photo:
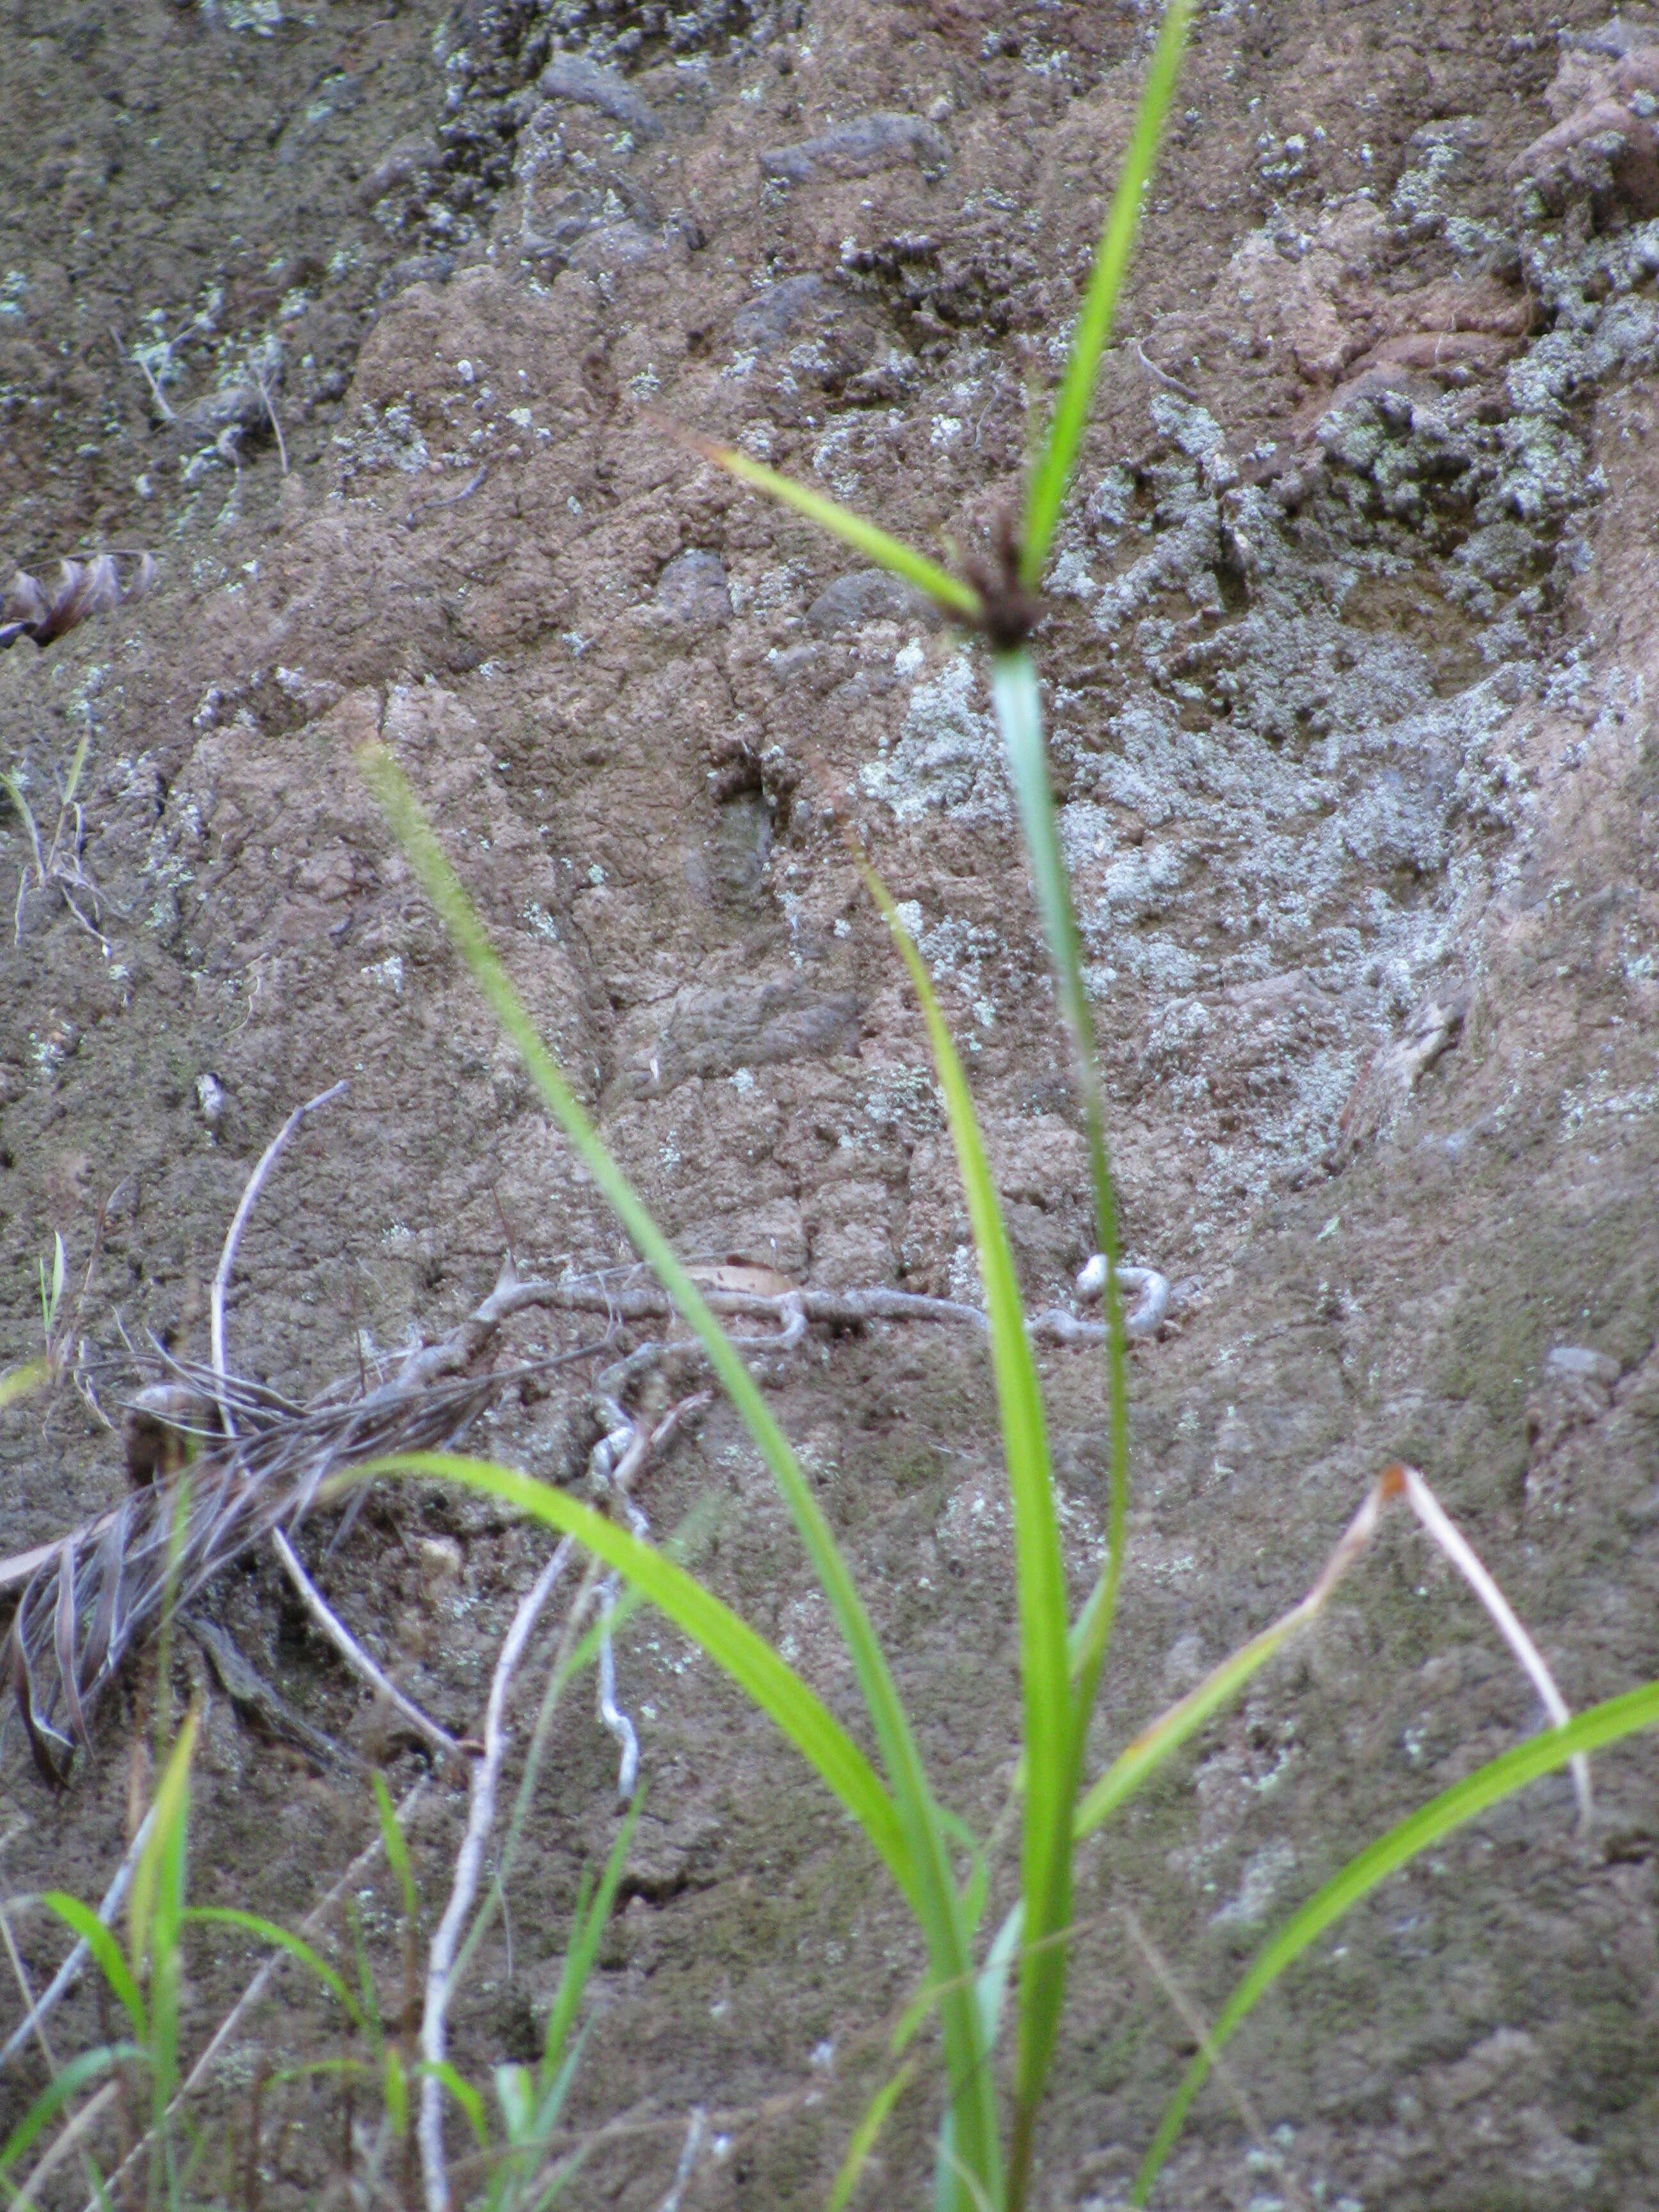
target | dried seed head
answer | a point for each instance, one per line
(83, 588)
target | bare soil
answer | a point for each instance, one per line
(1349, 639)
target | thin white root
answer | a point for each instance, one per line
(64, 1978)
(19, 1974)
(793, 1309)
(1150, 1290)
(613, 1476)
(611, 1715)
(354, 1654)
(480, 1820)
(268, 1160)
(694, 2135)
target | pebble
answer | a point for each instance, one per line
(855, 150)
(570, 76)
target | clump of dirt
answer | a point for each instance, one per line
(1349, 646)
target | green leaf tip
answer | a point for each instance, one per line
(946, 591)
(1117, 237)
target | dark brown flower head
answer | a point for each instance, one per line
(1011, 611)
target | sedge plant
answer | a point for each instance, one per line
(986, 2152)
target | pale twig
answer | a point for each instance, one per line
(26, 1990)
(354, 1654)
(1193, 2022)
(65, 2141)
(281, 447)
(480, 1820)
(64, 1978)
(137, 360)
(1163, 376)
(694, 2135)
(268, 1159)
(557, 1675)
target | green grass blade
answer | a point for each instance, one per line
(63, 2086)
(465, 2095)
(172, 1812)
(279, 1939)
(565, 2171)
(312, 2069)
(993, 1975)
(727, 1639)
(977, 1888)
(931, 1884)
(686, 1540)
(107, 1951)
(1077, 391)
(169, 1843)
(376, 2028)
(72, 780)
(395, 1844)
(864, 2137)
(1466, 1800)
(12, 784)
(586, 1933)
(394, 2089)
(1050, 1735)
(946, 591)
(1153, 1746)
(1020, 716)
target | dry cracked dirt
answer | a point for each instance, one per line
(1346, 646)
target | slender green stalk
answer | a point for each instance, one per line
(1020, 716)
(932, 1886)
(1051, 1740)
(1077, 392)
